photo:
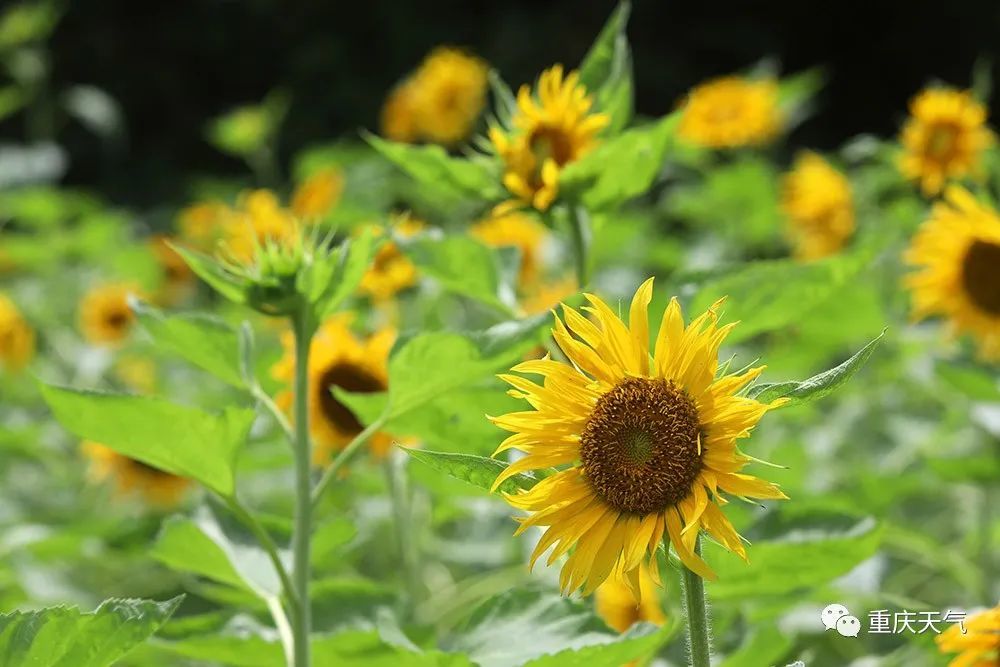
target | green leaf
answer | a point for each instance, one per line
(976, 383)
(621, 167)
(175, 438)
(248, 129)
(212, 273)
(817, 386)
(764, 647)
(476, 470)
(985, 469)
(356, 256)
(597, 64)
(805, 559)
(203, 340)
(464, 266)
(606, 71)
(67, 637)
(561, 632)
(769, 295)
(432, 167)
(216, 547)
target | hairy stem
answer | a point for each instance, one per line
(699, 628)
(302, 533)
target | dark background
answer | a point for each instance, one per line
(173, 65)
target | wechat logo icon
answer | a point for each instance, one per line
(838, 617)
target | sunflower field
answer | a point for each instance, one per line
(513, 375)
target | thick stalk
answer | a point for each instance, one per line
(696, 611)
(302, 532)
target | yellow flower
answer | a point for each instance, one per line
(391, 271)
(257, 218)
(399, 114)
(818, 202)
(979, 646)
(450, 89)
(160, 489)
(137, 373)
(645, 441)
(944, 137)
(17, 339)
(105, 318)
(548, 295)
(620, 608)
(317, 195)
(519, 231)
(202, 224)
(178, 278)
(338, 359)
(731, 111)
(957, 254)
(552, 129)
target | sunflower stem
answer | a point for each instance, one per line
(699, 628)
(402, 518)
(302, 533)
(580, 232)
(345, 456)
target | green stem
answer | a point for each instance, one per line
(302, 533)
(579, 224)
(402, 518)
(269, 545)
(986, 542)
(696, 611)
(344, 456)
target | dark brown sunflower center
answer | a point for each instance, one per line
(117, 319)
(640, 446)
(351, 378)
(981, 275)
(551, 142)
(941, 141)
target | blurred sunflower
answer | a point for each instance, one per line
(258, 217)
(731, 111)
(957, 254)
(137, 373)
(979, 645)
(943, 138)
(160, 489)
(399, 113)
(620, 608)
(338, 359)
(17, 339)
(178, 278)
(450, 95)
(391, 271)
(820, 207)
(104, 317)
(202, 224)
(515, 230)
(649, 442)
(547, 295)
(551, 129)
(316, 196)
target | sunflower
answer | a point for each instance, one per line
(316, 196)
(731, 111)
(391, 271)
(550, 130)
(17, 339)
(178, 278)
(450, 89)
(338, 359)
(943, 138)
(203, 223)
(957, 254)
(818, 202)
(979, 645)
(137, 373)
(105, 318)
(258, 217)
(399, 114)
(131, 477)
(620, 608)
(646, 445)
(515, 230)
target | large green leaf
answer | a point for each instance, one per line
(464, 266)
(819, 385)
(178, 439)
(476, 470)
(976, 383)
(215, 547)
(432, 167)
(768, 295)
(606, 70)
(561, 632)
(353, 259)
(802, 560)
(205, 341)
(764, 647)
(67, 637)
(621, 167)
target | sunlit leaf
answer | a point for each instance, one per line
(476, 470)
